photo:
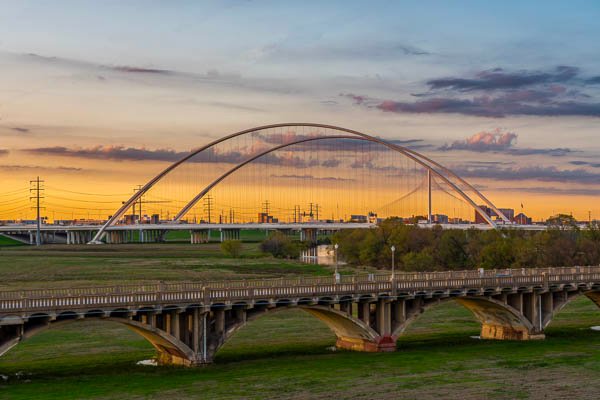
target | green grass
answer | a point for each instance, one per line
(6, 241)
(285, 355)
(86, 265)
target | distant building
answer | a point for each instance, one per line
(508, 213)
(155, 219)
(522, 219)
(264, 218)
(479, 219)
(358, 218)
(439, 219)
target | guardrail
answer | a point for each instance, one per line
(238, 290)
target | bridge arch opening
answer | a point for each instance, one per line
(168, 349)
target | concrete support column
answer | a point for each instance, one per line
(364, 312)
(196, 330)
(175, 324)
(219, 322)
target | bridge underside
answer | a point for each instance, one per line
(193, 334)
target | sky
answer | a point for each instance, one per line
(98, 97)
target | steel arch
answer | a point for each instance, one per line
(415, 156)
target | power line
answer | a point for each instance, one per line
(37, 189)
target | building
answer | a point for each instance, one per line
(508, 213)
(522, 219)
(479, 219)
(440, 219)
(264, 218)
(358, 218)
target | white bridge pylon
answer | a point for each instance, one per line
(433, 169)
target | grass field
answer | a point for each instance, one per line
(61, 265)
(6, 241)
(285, 355)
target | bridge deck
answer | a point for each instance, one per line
(454, 283)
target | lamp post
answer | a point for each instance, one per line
(393, 248)
(335, 254)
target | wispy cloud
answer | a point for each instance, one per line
(38, 167)
(554, 190)
(586, 163)
(311, 177)
(4, 152)
(544, 174)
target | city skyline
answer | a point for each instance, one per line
(511, 104)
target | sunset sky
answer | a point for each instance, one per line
(98, 97)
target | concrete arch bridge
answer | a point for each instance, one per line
(188, 322)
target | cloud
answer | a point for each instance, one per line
(544, 174)
(496, 94)
(4, 152)
(593, 80)
(20, 130)
(38, 167)
(140, 70)
(330, 163)
(495, 107)
(499, 79)
(311, 177)
(587, 163)
(553, 190)
(499, 140)
(484, 141)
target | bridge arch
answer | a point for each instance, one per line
(170, 350)
(433, 167)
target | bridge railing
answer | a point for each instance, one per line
(200, 292)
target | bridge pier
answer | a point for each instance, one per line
(229, 234)
(199, 236)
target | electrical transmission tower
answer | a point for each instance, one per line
(266, 207)
(37, 189)
(208, 204)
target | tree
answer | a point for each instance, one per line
(231, 248)
(280, 246)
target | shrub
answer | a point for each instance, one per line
(231, 248)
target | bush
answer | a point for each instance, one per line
(280, 245)
(231, 248)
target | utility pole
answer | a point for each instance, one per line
(208, 203)
(266, 207)
(37, 189)
(429, 196)
(317, 211)
(231, 215)
(311, 212)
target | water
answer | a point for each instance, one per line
(322, 254)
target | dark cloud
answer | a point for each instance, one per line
(497, 93)
(586, 163)
(4, 152)
(122, 153)
(311, 177)
(330, 163)
(140, 70)
(499, 140)
(554, 190)
(495, 107)
(38, 167)
(545, 174)
(499, 79)
(594, 80)
(20, 130)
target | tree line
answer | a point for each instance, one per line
(435, 249)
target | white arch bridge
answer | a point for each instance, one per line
(370, 174)
(188, 322)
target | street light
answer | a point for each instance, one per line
(335, 254)
(393, 248)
